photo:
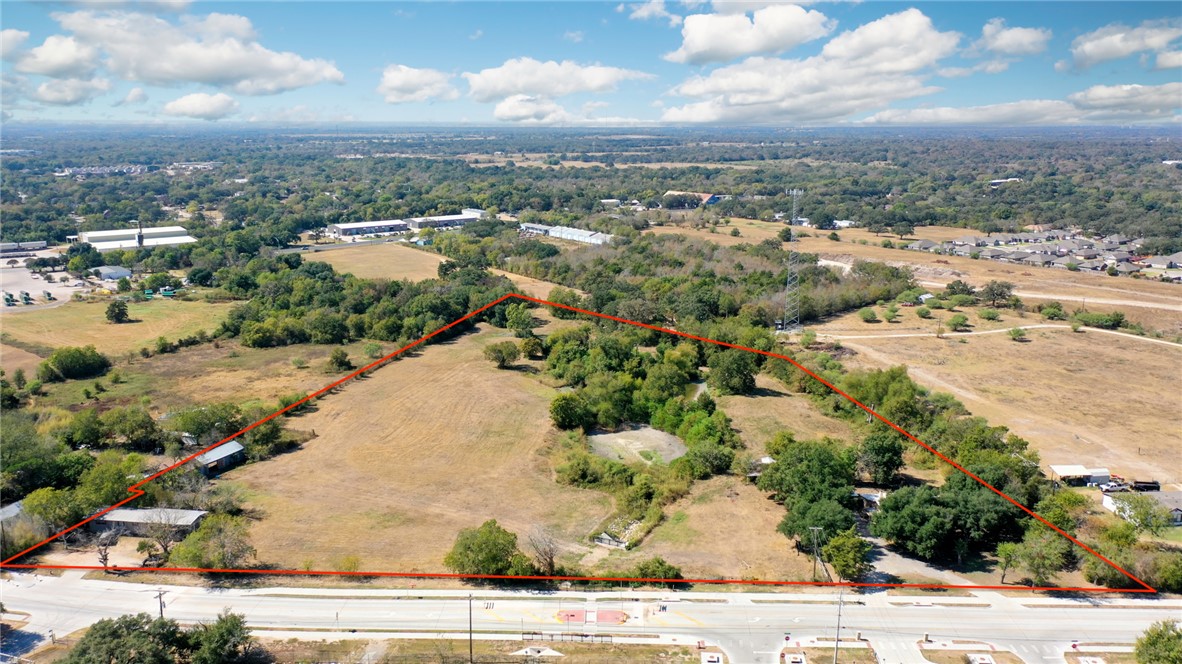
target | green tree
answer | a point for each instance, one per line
(339, 360)
(891, 314)
(488, 549)
(18, 379)
(1160, 644)
(657, 568)
(1143, 512)
(915, 520)
(881, 457)
(867, 315)
(117, 312)
(923, 312)
(1007, 554)
(532, 348)
(958, 287)
(138, 639)
(221, 541)
(732, 371)
(902, 229)
(995, 292)
(520, 319)
(69, 363)
(1042, 555)
(848, 553)
(958, 323)
(569, 412)
(829, 515)
(57, 507)
(372, 350)
(133, 427)
(123, 285)
(225, 641)
(502, 353)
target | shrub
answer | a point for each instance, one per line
(834, 236)
(891, 314)
(867, 315)
(887, 244)
(72, 362)
(339, 360)
(502, 353)
(989, 314)
(958, 323)
(1017, 334)
(372, 350)
(923, 312)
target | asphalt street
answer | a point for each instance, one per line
(749, 627)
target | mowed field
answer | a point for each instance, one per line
(398, 261)
(725, 527)
(403, 460)
(758, 417)
(85, 323)
(1152, 303)
(1090, 398)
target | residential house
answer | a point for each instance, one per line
(141, 522)
(1127, 268)
(922, 245)
(993, 253)
(1170, 500)
(1040, 260)
(1086, 254)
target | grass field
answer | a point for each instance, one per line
(1087, 398)
(12, 358)
(398, 261)
(404, 459)
(760, 416)
(725, 527)
(456, 650)
(1151, 303)
(84, 323)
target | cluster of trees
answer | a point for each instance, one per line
(492, 550)
(147, 640)
(69, 362)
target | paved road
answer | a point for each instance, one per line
(749, 627)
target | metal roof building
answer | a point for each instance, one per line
(140, 521)
(568, 233)
(367, 227)
(220, 452)
(130, 238)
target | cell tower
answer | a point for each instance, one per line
(790, 322)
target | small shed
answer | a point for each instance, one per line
(221, 458)
(139, 522)
(1077, 475)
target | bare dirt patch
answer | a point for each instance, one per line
(12, 358)
(404, 459)
(638, 443)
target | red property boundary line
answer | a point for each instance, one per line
(137, 491)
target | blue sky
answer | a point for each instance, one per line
(593, 63)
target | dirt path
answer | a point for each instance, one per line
(1023, 327)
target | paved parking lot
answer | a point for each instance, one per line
(16, 279)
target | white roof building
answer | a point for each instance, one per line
(367, 228)
(131, 238)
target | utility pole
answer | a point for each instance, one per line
(160, 598)
(837, 638)
(471, 658)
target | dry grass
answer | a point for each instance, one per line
(725, 527)
(84, 323)
(1087, 398)
(959, 656)
(403, 460)
(397, 261)
(12, 358)
(771, 409)
(1151, 303)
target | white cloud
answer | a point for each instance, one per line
(401, 84)
(528, 109)
(202, 106)
(69, 91)
(858, 71)
(218, 49)
(575, 36)
(1169, 59)
(1133, 101)
(134, 96)
(59, 57)
(654, 9)
(720, 37)
(11, 41)
(476, 35)
(526, 76)
(300, 114)
(997, 38)
(989, 67)
(743, 6)
(1097, 104)
(1118, 41)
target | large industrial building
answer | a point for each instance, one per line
(132, 238)
(382, 227)
(567, 233)
(467, 216)
(388, 226)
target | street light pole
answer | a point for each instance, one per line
(471, 659)
(837, 640)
